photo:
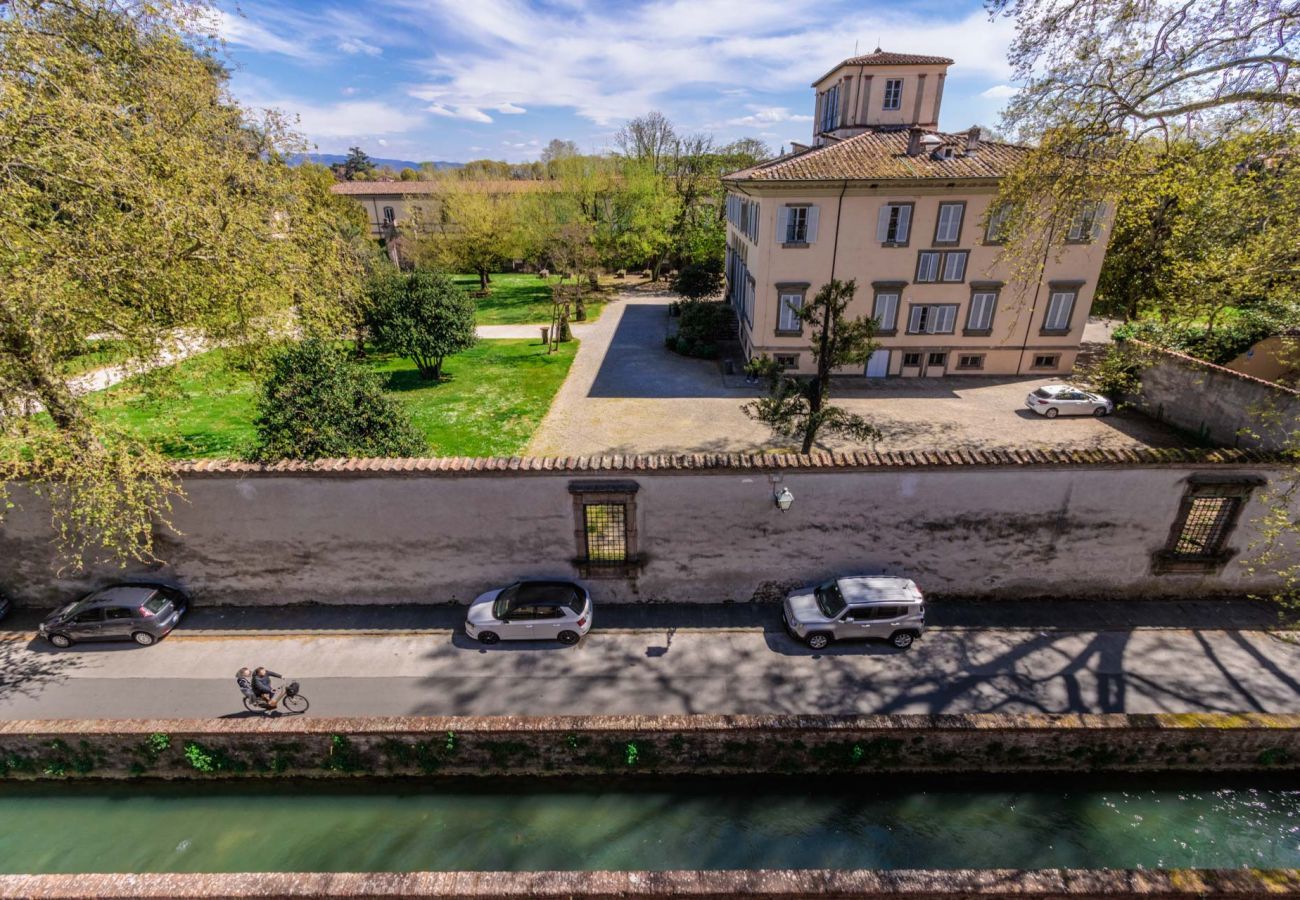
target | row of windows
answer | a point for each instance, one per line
(742, 213)
(936, 318)
(830, 103)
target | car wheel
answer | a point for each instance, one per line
(1051, 412)
(567, 637)
(143, 638)
(62, 641)
(488, 637)
(818, 640)
(902, 639)
(1099, 412)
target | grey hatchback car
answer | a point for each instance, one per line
(862, 606)
(124, 612)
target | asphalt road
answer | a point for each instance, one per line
(439, 672)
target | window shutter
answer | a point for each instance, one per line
(904, 223)
(812, 224)
(948, 319)
(914, 319)
(753, 220)
(882, 224)
(1097, 213)
(783, 223)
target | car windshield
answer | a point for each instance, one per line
(155, 603)
(829, 599)
(502, 604)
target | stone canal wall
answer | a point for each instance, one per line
(772, 884)
(647, 745)
(694, 529)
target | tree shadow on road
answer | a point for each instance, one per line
(25, 671)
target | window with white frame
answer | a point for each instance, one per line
(932, 318)
(947, 229)
(894, 224)
(788, 315)
(995, 227)
(886, 311)
(927, 265)
(954, 267)
(796, 225)
(1084, 224)
(980, 316)
(893, 93)
(1059, 307)
(390, 216)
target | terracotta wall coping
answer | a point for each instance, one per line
(650, 724)
(742, 462)
(1213, 367)
(1076, 884)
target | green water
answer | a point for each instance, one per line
(855, 822)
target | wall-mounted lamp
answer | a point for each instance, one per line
(783, 499)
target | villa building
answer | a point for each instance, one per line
(881, 196)
(392, 205)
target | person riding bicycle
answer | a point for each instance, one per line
(244, 678)
(262, 687)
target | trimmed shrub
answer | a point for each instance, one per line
(699, 281)
(701, 325)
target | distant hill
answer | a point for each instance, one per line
(329, 159)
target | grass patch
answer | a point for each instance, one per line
(489, 402)
(518, 298)
(99, 353)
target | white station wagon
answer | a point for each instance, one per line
(531, 610)
(1054, 400)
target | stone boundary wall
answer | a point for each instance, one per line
(703, 529)
(1219, 405)
(772, 884)
(493, 746)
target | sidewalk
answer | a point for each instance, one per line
(1037, 615)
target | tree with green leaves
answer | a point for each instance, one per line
(137, 200)
(422, 316)
(800, 407)
(482, 229)
(316, 403)
(357, 167)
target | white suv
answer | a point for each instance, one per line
(864, 606)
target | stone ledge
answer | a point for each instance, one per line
(618, 724)
(714, 462)
(786, 884)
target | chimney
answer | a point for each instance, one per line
(914, 135)
(973, 139)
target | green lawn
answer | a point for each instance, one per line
(489, 403)
(518, 298)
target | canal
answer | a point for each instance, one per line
(858, 821)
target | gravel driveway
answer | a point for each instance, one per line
(626, 394)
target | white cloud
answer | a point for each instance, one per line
(381, 142)
(468, 113)
(769, 115)
(510, 109)
(1000, 92)
(349, 118)
(353, 46)
(349, 91)
(241, 31)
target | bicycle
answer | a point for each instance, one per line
(291, 701)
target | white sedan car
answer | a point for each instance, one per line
(531, 610)
(1054, 400)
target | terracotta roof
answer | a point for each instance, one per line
(460, 466)
(880, 57)
(412, 188)
(883, 155)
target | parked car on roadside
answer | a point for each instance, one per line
(883, 607)
(132, 611)
(531, 610)
(1054, 400)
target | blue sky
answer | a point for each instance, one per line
(469, 79)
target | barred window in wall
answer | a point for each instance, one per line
(606, 530)
(1205, 527)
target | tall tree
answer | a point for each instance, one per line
(357, 167)
(136, 199)
(647, 139)
(558, 150)
(800, 407)
(481, 231)
(422, 316)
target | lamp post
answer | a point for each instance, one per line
(783, 499)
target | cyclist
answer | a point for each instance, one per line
(244, 678)
(262, 687)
